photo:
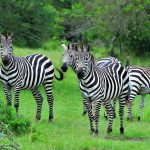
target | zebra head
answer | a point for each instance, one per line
(6, 48)
(84, 62)
(68, 55)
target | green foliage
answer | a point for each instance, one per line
(32, 21)
(6, 139)
(18, 125)
(98, 22)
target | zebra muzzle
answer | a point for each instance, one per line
(64, 67)
(5, 60)
(80, 73)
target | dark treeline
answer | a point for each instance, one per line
(124, 24)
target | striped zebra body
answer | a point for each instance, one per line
(26, 73)
(69, 60)
(139, 83)
(101, 85)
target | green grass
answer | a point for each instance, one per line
(70, 130)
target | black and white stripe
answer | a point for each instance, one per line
(100, 85)
(139, 83)
(26, 73)
(68, 59)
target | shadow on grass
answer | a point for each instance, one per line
(126, 138)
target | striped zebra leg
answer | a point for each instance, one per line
(48, 90)
(84, 110)
(39, 100)
(141, 107)
(90, 114)
(121, 113)
(7, 90)
(114, 107)
(132, 96)
(96, 117)
(16, 102)
(109, 110)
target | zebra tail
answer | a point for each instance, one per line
(127, 61)
(61, 75)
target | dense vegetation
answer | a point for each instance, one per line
(115, 23)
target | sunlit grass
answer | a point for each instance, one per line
(70, 130)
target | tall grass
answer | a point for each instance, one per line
(70, 130)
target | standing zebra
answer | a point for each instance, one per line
(69, 60)
(27, 73)
(139, 83)
(100, 85)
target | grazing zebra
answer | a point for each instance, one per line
(27, 73)
(139, 83)
(100, 85)
(69, 60)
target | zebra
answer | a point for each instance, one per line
(68, 60)
(26, 73)
(139, 83)
(100, 85)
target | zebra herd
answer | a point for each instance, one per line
(101, 82)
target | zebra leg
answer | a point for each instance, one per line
(90, 114)
(133, 92)
(105, 115)
(48, 90)
(16, 102)
(114, 107)
(7, 91)
(39, 100)
(84, 110)
(141, 107)
(97, 109)
(121, 114)
(109, 110)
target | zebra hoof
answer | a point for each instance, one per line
(37, 118)
(84, 113)
(139, 118)
(96, 132)
(129, 118)
(50, 118)
(109, 130)
(121, 130)
(9, 104)
(92, 131)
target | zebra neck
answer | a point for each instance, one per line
(73, 66)
(90, 77)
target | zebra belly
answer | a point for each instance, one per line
(144, 90)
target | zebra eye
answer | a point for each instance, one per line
(86, 58)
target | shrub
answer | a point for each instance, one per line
(18, 125)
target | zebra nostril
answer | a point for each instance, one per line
(64, 67)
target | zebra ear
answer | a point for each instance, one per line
(88, 47)
(64, 46)
(83, 48)
(75, 47)
(3, 38)
(10, 37)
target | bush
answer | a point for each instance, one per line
(6, 140)
(18, 125)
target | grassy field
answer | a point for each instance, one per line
(70, 130)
